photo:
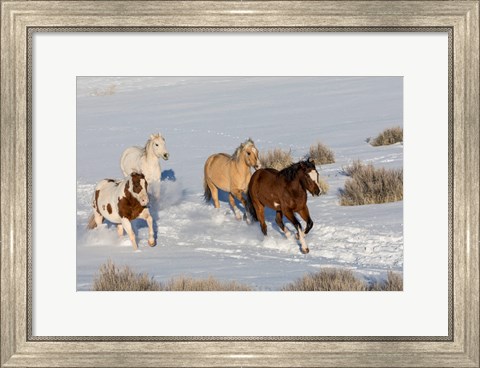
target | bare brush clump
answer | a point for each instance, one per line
(394, 282)
(370, 185)
(327, 280)
(343, 280)
(107, 91)
(321, 154)
(277, 159)
(353, 168)
(183, 283)
(113, 278)
(323, 185)
(388, 136)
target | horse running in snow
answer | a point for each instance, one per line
(120, 202)
(230, 173)
(146, 161)
(285, 192)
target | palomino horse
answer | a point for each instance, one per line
(145, 160)
(230, 174)
(285, 192)
(120, 202)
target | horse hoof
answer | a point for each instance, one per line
(305, 251)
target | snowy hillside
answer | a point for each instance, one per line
(201, 116)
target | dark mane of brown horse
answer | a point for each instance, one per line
(291, 171)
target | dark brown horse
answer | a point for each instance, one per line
(285, 192)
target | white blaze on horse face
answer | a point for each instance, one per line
(314, 176)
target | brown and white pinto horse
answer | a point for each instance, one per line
(120, 202)
(285, 192)
(230, 173)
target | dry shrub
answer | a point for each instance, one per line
(388, 136)
(107, 91)
(353, 168)
(394, 282)
(343, 280)
(327, 280)
(370, 185)
(184, 283)
(277, 159)
(321, 154)
(113, 278)
(323, 186)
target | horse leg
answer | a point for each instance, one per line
(239, 195)
(120, 230)
(147, 217)
(259, 209)
(306, 217)
(279, 221)
(155, 189)
(98, 218)
(214, 191)
(301, 236)
(231, 199)
(128, 228)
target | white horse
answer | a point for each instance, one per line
(145, 160)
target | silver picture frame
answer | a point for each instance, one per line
(19, 22)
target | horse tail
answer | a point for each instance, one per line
(91, 222)
(207, 194)
(250, 207)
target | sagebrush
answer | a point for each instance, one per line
(370, 185)
(323, 185)
(114, 278)
(277, 159)
(343, 280)
(184, 283)
(321, 154)
(388, 136)
(107, 91)
(327, 280)
(394, 282)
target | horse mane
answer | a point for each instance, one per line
(291, 171)
(239, 149)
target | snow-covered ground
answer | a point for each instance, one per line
(201, 116)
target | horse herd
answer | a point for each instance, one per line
(284, 191)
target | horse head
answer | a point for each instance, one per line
(311, 179)
(157, 145)
(251, 154)
(139, 187)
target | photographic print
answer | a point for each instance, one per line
(239, 183)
